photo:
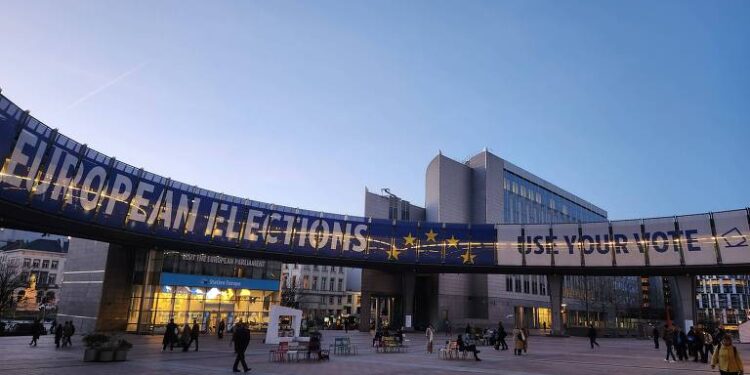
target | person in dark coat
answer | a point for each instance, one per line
(58, 335)
(220, 330)
(68, 334)
(36, 331)
(680, 343)
(185, 337)
(170, 336)
(669, 339)
(194, 333)
(241, 339)
(466, 344)
(655, 333)
(592, 336)
(500, 343)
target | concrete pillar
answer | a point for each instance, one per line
(408, 283)
(555, 297)
(683, 301)
(364, 312)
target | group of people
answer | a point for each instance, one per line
(398, 336)
(181, 337)
(698, 343)
(467, 341)
(63, 333)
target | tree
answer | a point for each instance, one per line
(10, 280)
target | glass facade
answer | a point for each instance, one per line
(528, 203)
(204, 288)
(723, 300)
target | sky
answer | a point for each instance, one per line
(640, 107)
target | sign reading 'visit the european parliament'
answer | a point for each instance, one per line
(46, 171)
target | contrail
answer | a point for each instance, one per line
(106, 85)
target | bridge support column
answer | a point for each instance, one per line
(555, 297)
(683, 301)
(408, 283)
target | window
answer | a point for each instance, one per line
(534, 288)
(508, 283)
(294, 281)
(52, 278)
(305, 282)
(349, 299)
(518, 284)
(542, 288)
(323, 284)
(53, 265)
(525, 285)
(35, 263)
(330, 285)
(330, 300)
(45, 263)
(315, 267)
(341, 269)
(26, 262)
(339, 300)
(315, 283)
(340, 283)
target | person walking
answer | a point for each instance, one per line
(58, 335)
(500, 343)
(72, 332)
(655, 334)
(691, 344)
(220, 329)
(185, 337)
(430, 336)
(67, 333)
(36, 331)
(519, 341)
(195, 332)
(525, 339)
(592, 336)
(708, 346)
(241, 339)
(669, 342)
(727, 357)
(680, 343)
(170, 336)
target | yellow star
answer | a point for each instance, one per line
(410, 240)
(393, 253)
(431, 236)
(452, 242)
(468, 257)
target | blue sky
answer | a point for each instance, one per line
(642, 108)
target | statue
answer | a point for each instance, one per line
(28, 303)
(32, 282)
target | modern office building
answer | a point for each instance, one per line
(723, 300)
(143, 288)
(488, 189)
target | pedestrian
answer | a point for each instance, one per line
(72, 332)
(500, 343)
(669, 342)
(220, 330)
(67, 332)
(170, 336)
(194, 333)
(241, 339)
(680, 344)
(448, 327)
(708, 346)
(58, 335)
(727, 357)
(185, 337)
(655, 334)
(466, 344)
(430, 335)
(519, 341)
(691, 344)
(592, 336)
(36, 331)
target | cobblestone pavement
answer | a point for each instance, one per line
(553, 356)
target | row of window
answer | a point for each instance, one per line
(723, 301)
(40, 263)
(42, 278)
(315, 267)
(529, 284)
(324, 282)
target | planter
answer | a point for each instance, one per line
(106, 355)
(121, 355)
(90, 355)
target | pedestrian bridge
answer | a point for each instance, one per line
(51, 183)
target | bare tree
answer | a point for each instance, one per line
(10, 280)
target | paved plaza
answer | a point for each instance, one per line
(553, 356)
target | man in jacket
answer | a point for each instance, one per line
(592, 336)
(669, 342)
(241, 339)
(194, 333)
(170, 336)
